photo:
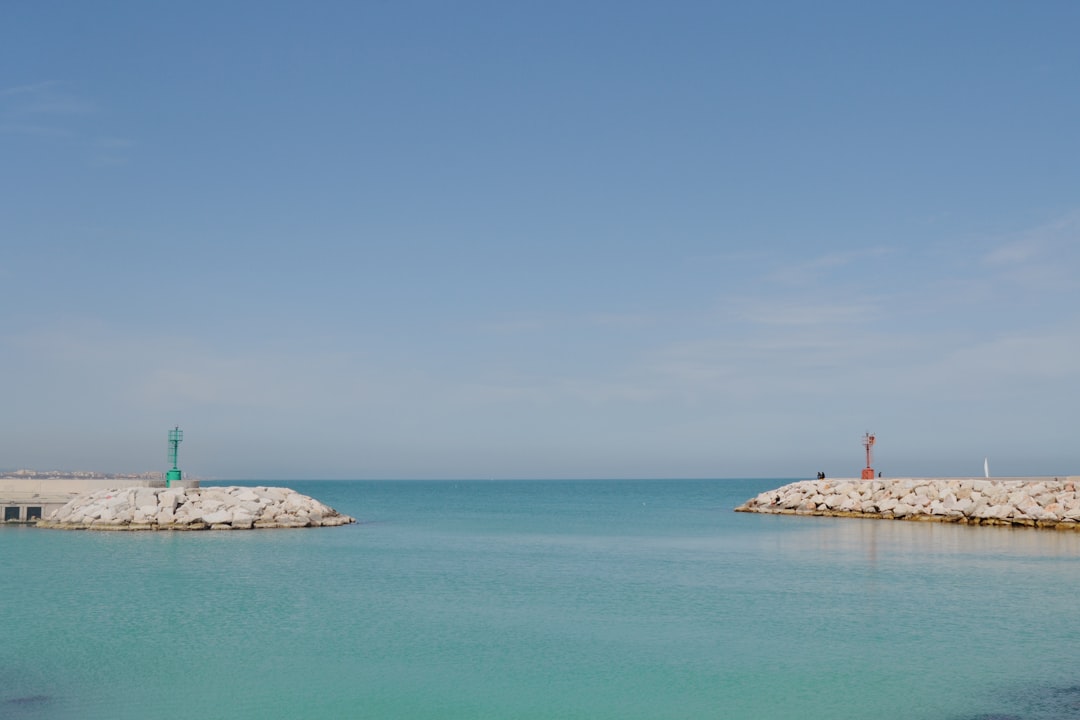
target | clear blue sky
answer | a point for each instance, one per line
(540, 239)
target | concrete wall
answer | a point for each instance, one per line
(23, 494)
(27, 512)
(10, 486)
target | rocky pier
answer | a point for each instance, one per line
(207, 508)
(1051, 502)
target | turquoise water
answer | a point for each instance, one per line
(543, 599)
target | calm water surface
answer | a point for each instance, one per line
(543, 599)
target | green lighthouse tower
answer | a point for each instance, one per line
(176, 435)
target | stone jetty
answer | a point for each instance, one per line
(208, 508)
(1050, 502)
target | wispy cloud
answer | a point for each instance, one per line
(112, 150)
(620, 321)
(192, 375)
(555, 322)
(44, 98)
(1014, 253)
(1043, 356)
(1045, 242)
(30, 89)
(816, 269)
(48, 110)
(803, 313)
(545, 391)
(511, 325)
(1040, 260)
(113, 143)
(44, 131)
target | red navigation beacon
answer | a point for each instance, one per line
(868, 443)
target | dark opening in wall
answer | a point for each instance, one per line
(33, 513)
(11, 513)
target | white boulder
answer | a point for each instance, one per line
(194, 508)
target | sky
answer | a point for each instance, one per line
(540, 239)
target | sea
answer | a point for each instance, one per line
(538, 600)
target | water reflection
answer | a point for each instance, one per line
(919, 541)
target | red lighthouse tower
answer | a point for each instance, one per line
(868, 443)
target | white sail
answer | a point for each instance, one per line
(986, 466)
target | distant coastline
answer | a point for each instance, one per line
(25, 474)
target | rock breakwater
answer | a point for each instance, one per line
(1030, 502)
(209, 508)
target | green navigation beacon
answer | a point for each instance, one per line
(175, 437)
